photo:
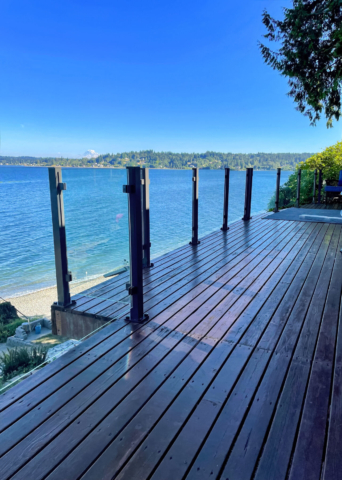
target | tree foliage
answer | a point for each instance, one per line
(288, 191)
(329, 161)
(310, 55)
(152, 159)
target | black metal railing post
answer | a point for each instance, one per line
(225, 200)
(195, 178)
(63, 275)
(320, 181)
(135, 288)
(299, 176)
(145, 188)
(314, 187)
(277, 191)
(248, 194)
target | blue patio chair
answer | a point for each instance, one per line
(333, 191)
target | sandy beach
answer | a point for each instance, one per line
(39, 303)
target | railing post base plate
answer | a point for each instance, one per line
(72, 302)
(139, 320)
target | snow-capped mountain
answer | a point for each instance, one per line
(91, 154)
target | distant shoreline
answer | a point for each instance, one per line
(151, 168)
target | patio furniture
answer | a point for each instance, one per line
(333, 191)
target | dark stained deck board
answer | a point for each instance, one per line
(208, 258)
(310, 442)
(252, 434)
(110, 330)
(190, 256)
(69, 435)
(131, 471)
(160, 264)
(167, 422)
(10, 397)
(128, 327)
(242, 341)
(194, 433)
(279, 445)
(176, 287)
(68, 470)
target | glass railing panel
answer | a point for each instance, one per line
(27, 268)
(236, 195)
(264, 186)
(96, 219)
(26, 245)
(170, 209)
(210, 205)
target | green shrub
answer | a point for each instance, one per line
(21, 360)
(288, 191)
(329, 161)
(7, 312)
(8, 330)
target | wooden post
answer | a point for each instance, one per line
(145, 183)
(320, 174)
(195, 178)
(277, 191)
(63, 276)
(225, 200)
(248, 194)
(299, 175)
(135, 288)
(314, 187)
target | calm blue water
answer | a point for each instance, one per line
(96, 218)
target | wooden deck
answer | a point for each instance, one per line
(237, 375)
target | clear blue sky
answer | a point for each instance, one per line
(108, 75)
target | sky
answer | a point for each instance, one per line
(170, 75)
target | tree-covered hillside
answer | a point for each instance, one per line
(149, 158)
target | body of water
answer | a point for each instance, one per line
(96, 215)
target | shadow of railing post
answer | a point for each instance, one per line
(135, 288)
(248, 194)
(63, 276)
